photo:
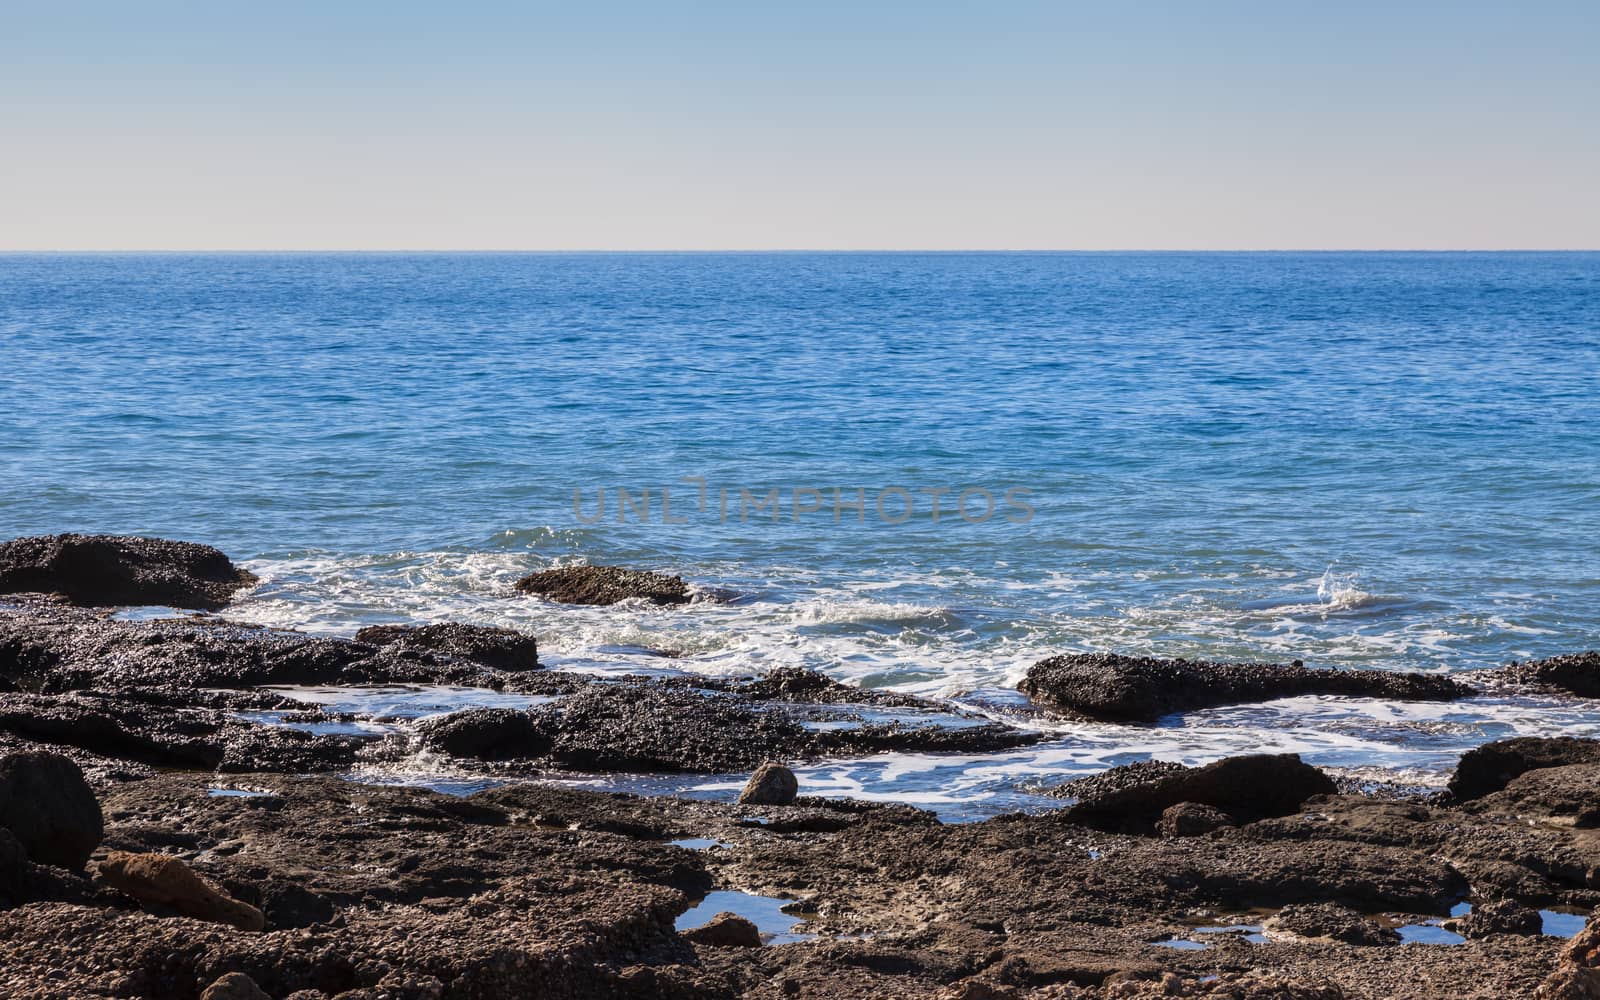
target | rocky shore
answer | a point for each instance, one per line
(175, 824)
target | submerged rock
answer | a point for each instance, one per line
(604, 585)
(49, 808)
(1134, 798)
(1574, 673)
(166, 882)
(1505, 916)
(1330, 920)
(1491, 767)
(1143, 689)
(771, 785)
(500, 648)
(726, 930)
(110, 570)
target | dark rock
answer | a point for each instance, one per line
(500, 648)
(49, 808)
(1142, 689)
(484, 734)
(1505, 916)
(1249, 787)
(116, 728)
(234, 986)
(1330, 920)
(726, 930)
(604, 585)
(1574, 673)
(109, 570)
(771, 785)
(797, 684)
(1491, 767)
(1191, 819)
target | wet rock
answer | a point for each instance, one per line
(1330, 920)
(49, 808)
(110, 570)
(1505, 916)
(1191, 819)
(771, 785)
(234, 986)
(500, 648)
(1249, 787)
(797, 684)
(124, 729)
(604, 585)
(726, 930)
(164, 882)
(1574, 673)
(1491, 767)
(484, 734)
(1143, 689)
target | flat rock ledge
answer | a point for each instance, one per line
(1111, 687)
(117, 570)
(604, 585)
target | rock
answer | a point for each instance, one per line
(1191, 819)
(484, 734)
(1577, 975)
(49, 808)
(1491, 767)
(604, 585)
(166, 882)
(726, 930)
(771, 785)
(234, 986)
(1133, 798)
(1574, 673)
(1330, 920)
(1142, 689)
(500, 648)
(109, 570)
(1505, 916)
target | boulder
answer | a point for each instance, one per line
(726, 930)
(49, 808)
(484, 734)
(110, 570)
(1330, 920)
(1493, 766)
(1577, 974)
(164, 882)
(1191, 819)
(604, 585)
(1505, 916)
(234, 986)
(500, 648)
(1142, 689)
(1133, 798)
(771, 785)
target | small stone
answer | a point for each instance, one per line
(771, 785)
(726, 930)
(49, 808)
(165, 881)
(234, 986)
(1192, 819)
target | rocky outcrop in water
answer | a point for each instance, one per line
(1493, 766)
(1142, 689)
(604, 585)
(1135, 798)
(111, 570)
(500, 648)
(1334, 922)
(1574, 673)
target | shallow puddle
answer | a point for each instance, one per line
(1428, 932)
(766, 912)
(237, 793)
(697, 843)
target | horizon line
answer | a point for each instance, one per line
(783, 250)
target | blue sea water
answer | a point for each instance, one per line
(1356, 459)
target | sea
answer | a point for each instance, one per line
(915, 471)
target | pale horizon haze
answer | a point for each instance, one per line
(720, 126)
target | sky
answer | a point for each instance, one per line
(822, 125)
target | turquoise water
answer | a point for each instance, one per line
(1383, 460)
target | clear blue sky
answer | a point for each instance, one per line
(830, 125)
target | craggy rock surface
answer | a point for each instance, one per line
(1574, 673)
(1138, 797)
(604, 585)
(1335, 922)
(108, 570)
(500, 648)
(1142, 689)
(1493, 766)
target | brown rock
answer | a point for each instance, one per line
(234, 986)
(49, 808)
(771, 785)
(1577, 977)
(726, 930)
(1192, 819)
(164, 881)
